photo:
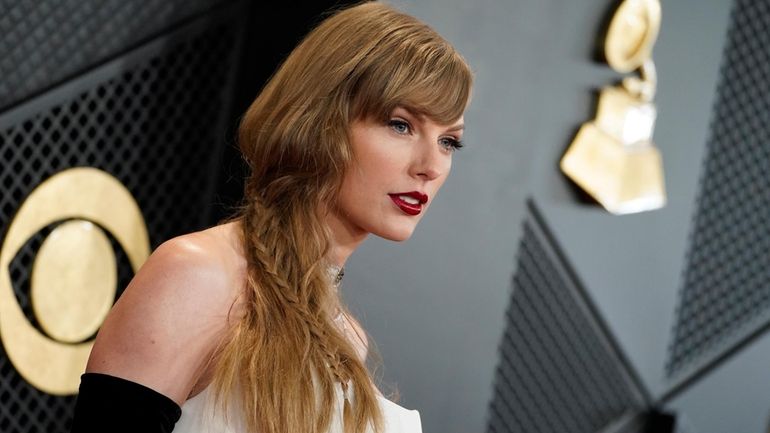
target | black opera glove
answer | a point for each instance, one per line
(111, 404)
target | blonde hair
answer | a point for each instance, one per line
(285, 355)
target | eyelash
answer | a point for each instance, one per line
(452, 144)
(394, 123)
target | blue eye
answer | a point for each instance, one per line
(400, 126)
(450, 143)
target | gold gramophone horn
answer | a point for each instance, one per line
(613, 157)
(632, 34)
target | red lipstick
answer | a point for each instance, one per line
(408, 207)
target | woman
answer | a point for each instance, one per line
(354, 134)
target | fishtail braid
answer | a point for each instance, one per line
(262, 226)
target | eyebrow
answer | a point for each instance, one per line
(460, 127)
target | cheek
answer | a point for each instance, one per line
(448, 168)
(379, 172)
(385, 158)
(440, 181)
(359, 190)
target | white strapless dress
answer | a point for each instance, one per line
(197, 417)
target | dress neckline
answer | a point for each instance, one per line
(198, 416)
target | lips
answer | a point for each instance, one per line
(409, 202)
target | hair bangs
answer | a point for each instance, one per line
(428, 78)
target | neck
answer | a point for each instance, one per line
(345, 238)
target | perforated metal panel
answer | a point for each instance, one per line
(558, 369)
(725, 296)
(44, 41)
(154, 119)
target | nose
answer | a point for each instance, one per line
(429, 161)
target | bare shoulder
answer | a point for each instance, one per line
(172, 315)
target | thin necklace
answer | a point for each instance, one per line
(336, 273)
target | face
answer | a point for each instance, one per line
(399, 166)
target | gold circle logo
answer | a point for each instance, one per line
(74, 281)
(74, 278)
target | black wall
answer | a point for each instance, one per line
(148, 91)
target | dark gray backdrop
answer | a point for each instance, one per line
(436, 304)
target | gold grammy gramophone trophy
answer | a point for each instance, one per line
(613, 157)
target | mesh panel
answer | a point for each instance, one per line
(556, 372)
(47, 41)
(155, 121)
(725, 294)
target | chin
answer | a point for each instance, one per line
(396, 234)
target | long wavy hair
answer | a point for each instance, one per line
(285, 361)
